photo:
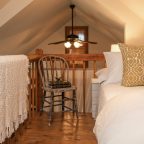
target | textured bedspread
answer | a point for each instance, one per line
(13, 93)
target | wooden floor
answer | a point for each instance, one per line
(64, 130)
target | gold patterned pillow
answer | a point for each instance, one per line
(133, 65)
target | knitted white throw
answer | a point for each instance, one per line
(13, 93)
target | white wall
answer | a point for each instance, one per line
(131, 14)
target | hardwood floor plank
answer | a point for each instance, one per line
(66, 130)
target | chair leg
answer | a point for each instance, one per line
(51, 108)
(42, 102)
(75, 107)
(63, 103)
(73, 104)
(53, 104)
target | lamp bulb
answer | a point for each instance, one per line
(115, 48)
(67, 44)
(77, 44)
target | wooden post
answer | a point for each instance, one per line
(39, 51)
(84, 81)
(29, 94)
(36, 85)
(94, 69)
(73, 72)
(33, 91)
(39, 91)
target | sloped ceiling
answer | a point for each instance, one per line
(131, 14)
(27, 23)
(32, 25)
(9, 8)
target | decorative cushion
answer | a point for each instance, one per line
(115, 67)
(133, 65)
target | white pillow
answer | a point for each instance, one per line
(115, 67)
(102, 74)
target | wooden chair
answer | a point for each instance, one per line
(54, 73)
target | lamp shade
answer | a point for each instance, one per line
(115, 48)
(67, 44)
(77, 44)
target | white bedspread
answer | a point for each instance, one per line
(121, 119)
(108, 91)
(13, 93)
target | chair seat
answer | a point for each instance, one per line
(60, 89)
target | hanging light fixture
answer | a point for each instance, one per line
(72, 39)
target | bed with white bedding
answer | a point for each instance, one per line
(120, 118)
(107, 92)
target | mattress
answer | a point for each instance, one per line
(109, 91)
(121, 115)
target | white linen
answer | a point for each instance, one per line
(95, 96)
(13, 93)
(102, 74)
(106, 92)
(115, 66)
(121, 119)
